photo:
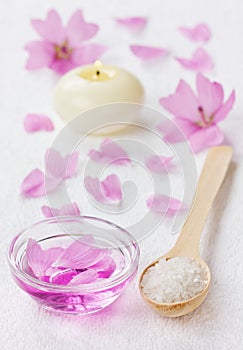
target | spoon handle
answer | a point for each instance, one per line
(211, 178)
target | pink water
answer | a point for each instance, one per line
(74, 302)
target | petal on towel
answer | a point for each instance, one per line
(67, 209)
(162, 204)
(110, 152)
(107, 190)
(148, 52)
(35, 184)
(133, 23)
(37, 122)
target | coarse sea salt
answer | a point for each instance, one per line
(174, 280)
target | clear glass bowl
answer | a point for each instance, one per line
(83, 298)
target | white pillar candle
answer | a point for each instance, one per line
(94, 85)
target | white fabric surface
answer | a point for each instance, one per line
(128, 323)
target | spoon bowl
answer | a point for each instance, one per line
(187, 244)
(179, 308)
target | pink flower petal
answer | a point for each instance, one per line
(51, 29)
(78, 30)
(41, 54)
(170, 132)
(105, 267)
(148, 52)
(107, 190)
(206, 137)
(40, 260)
(134, 23)
(162, 204)
(225, 108)
(63, 277)
(80, 254)
(183, 103)
(68, 209)
(62, 66)
(36, 185)
(173, 135)
(159, 164)
(61, 167)
(110, 152)
(111, 187)
(210, 95)
(87, 53)
(37, 122)
(84, 277)
(93, 186)
(200, 32)
(200, 61)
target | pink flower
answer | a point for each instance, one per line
(37, 122)
(68, 209)
(200, 61)
(200, 32)
(62, 48)
(107, 190)
(198, 116)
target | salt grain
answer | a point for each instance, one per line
(174, 280)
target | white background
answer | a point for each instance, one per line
(128, 323)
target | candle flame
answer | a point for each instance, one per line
(98, 65)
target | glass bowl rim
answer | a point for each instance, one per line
(90, 287)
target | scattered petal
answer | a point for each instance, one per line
(159, 164)
(40, 260)
(133, 23)
(200, 32)
(110, 152)
(200, 61)
(61, 167)
(107, 190)
(162, 204)
(36, 184)
(68, 209)
(37, 122)
(148, 52)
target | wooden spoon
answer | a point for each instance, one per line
(213, 173)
